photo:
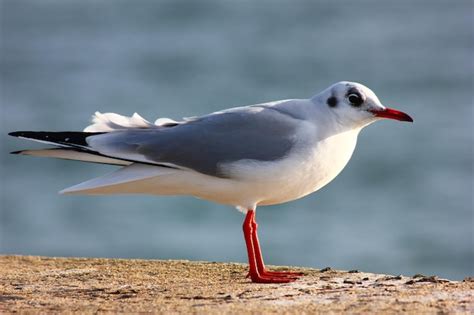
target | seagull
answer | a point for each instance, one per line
(257, 155)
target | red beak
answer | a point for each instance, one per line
(391, 114)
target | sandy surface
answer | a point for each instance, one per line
(118, 285)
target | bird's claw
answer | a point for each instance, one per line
(265, 276)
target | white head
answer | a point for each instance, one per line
(354, 105)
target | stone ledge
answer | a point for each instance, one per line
(91, 285)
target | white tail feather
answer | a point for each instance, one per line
(74, 155)
(106, 122)
(131, 173)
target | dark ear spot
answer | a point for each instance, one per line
(332, 101)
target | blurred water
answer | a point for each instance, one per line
(403, 204)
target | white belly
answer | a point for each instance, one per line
(309, 171)
(303, 172)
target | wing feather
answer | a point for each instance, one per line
(203, 144)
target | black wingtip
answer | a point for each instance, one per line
(17, 152)
(16, 133)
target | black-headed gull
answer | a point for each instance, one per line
(249, 156)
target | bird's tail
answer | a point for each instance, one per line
(73, 146)
(70, 145)
(131, 179)
(72, 154)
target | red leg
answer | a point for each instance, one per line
(251, 251)
(259, 258)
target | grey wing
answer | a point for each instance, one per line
(205, 143)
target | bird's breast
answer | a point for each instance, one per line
(310, 165)
(310, 168)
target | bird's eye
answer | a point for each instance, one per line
(355, 99)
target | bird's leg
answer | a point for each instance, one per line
(253, 267)
(259, 258)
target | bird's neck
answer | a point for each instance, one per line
(329, 125)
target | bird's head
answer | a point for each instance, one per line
(355, 105)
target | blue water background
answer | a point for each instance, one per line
(403, 205)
